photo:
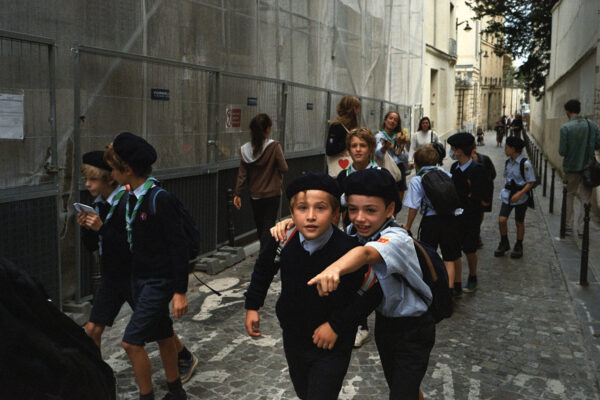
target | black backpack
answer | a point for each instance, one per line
(190, 228)
(441, 192)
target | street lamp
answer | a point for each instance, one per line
(466, 28)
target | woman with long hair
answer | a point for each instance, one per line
(422, 137)
(261, 167)
(392, 140)
(338, 158)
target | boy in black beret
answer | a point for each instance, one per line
(105, 232)
(519, 179)
(404, 328)
(471, 186)
(159, 264)
(318, 332)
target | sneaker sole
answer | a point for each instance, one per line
(365, 340)
(188, 376)
(465, 290)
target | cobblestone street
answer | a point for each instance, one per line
(518, 336)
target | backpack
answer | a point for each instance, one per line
(436, 277)
(190, 228)
(441, 192)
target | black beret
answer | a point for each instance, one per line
(96, 159)
(313, 181)
(515, 142)
(134, 150)
(461, 139)
(372, 182)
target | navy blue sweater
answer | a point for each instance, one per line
(471, 187)
(300, 308)
(159, 245)
(115, 260)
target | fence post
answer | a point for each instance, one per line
(230, 224)
(563, 212)
(551, 208)
(585, 246)
(540, 164)
(545, 176)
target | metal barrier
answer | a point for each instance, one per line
(563, 212)
(585, 246)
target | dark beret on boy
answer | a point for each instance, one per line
(313, 181)
(134, 150)
(515, 142)
(372, 182)
(461, 139)
(96, 159)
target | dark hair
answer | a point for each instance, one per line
(421, 122)
(399, 127)
(258, 127)
(573, 106)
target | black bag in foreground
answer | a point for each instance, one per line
(44, 354)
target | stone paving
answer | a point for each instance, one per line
(517, 337)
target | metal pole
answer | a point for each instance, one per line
(563, 212)
(540, 162)
(551, 208)
(545, 176)
(75, 170)
(585, 246)
(231, 225)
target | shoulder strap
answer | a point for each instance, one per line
(153, 199)
(522, 167)
(434, 276)
(288, 236)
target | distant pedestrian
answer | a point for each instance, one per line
(422, 137)
(500, 129)
(517, 126)
(261, 167)
(470, 182)
(337, 157)
(579, 138)
(519, 179)
(392, 140)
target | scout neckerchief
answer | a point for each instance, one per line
(116, 199)
(350, 169)
(130, 217)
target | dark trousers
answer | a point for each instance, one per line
(316, 374)
(404, 345)
(265, 215)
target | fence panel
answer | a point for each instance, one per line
(306, 119)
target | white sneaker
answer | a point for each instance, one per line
(362, 337)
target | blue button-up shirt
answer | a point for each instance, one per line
(315, 244)
(512, 172)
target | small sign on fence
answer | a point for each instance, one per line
(233, 117)
(159, 94)
(252, 101)
(12, 116)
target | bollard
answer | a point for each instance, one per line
(545, 176)
(585, 246)
(231, 225)
(551, 208)
(540, 162)
(563, 212)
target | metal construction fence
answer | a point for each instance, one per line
(197, 117)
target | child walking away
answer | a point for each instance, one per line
(318, 332)
(159, 263)
(105, 232)
(471, 185)
(519, 179)
(433, 191)
(404, 328)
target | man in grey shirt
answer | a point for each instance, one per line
(578, 139)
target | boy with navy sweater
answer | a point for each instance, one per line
(159, 263)
(318, 332)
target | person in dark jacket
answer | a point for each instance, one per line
(318, 332)
(470, 181)
(490, 174)
(338, 158)
(517, 126)
(159, 263)
(261, 167)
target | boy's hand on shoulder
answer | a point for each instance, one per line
(252, 323)
(327, 281)
(324, 337)
(180, 305)
(281, 228)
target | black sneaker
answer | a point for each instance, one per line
(456, 292)
(187, 368)
(502, 248)
(480, 243)
(517, 251)
(471, 285)
(175, 396)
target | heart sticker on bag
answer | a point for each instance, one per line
(343, 163)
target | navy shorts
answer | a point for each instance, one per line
(150, 320)
(520, 211)
(468, 231)
(109, 299)
(443, 231)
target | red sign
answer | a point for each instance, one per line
(233, 118)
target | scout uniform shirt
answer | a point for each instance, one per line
(512, 172)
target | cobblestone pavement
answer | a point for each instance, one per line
(516, 337)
